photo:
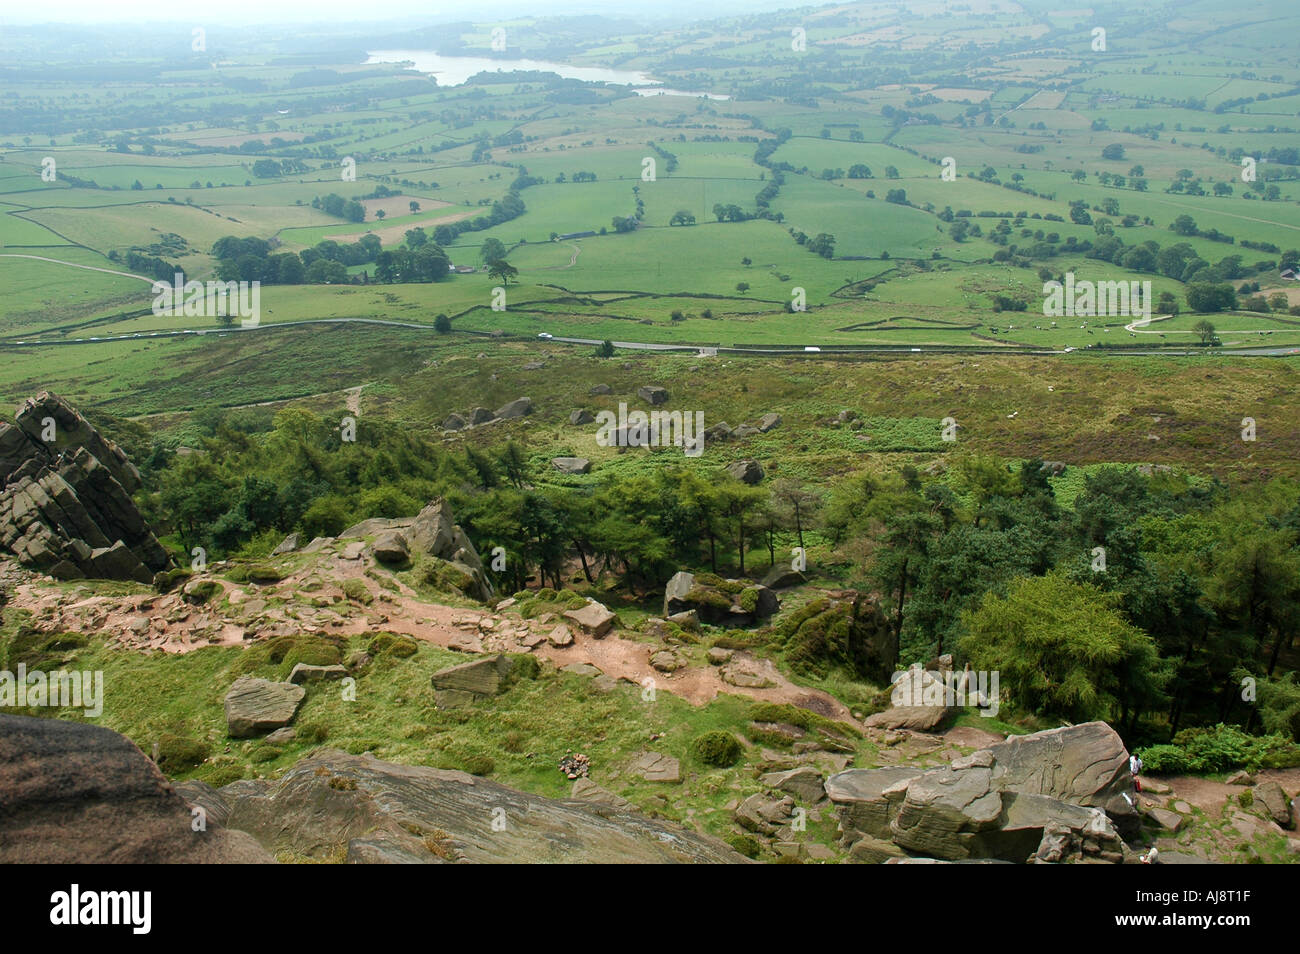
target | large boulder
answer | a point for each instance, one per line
(653, 394)
(519, 407)
(384, 812)
(1274, 801)
(571, 465)
(595, 618)
(919, 702)
(74, 794)
(748, 471)
(458, 686)
(1052, 796)
(256, 706)
(391, 547)
(676, 591)
(725, 602)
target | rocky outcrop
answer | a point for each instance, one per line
(65, 498)
(73, 793)
(432, 532)
(389, 813)
(1063, 795)
(714, 600)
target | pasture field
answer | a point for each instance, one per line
(1016, 98)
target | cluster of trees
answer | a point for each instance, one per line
(336, 205)
(1193, 586)
(254, 259)
(1145, 602)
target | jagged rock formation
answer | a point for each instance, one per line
(73, 793)
(65, 498)
(1056, 796)
(432, 532)
(368, 810)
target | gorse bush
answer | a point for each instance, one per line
(717, 748)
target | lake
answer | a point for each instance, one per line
(456, 70)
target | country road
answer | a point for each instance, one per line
(654, 347)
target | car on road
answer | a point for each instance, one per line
(545, 336)
(811, 348)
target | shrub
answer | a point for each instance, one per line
(265, 753)
(716, 748)
(1221, 748)
(178, 754)
(393, 644)
(264, 574)
(357, 591)
(202, 591)
(167, 580)
(313, 733)
(746, 845)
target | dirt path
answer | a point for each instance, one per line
(153, 623)
(1209, 796)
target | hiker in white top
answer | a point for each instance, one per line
(1135, 769)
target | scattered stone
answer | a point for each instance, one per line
(652, 394)
(656, 767)
(288, 545)
(302, 672)
(519, 407)
(481, 415)
(595, 619)
(581, 417)
(571, 465)
(666, 660)
(747, 471)
(581, 669)
(560, 636)
(1271, 797)
(601, 389)
(768, 421)
(764, 814)
(805, 783)
(453, 422)
(718, 656)
(744, 675)
(254, 706)
(689, 620)
(482, 677)
(1170, 821)
(285, 736)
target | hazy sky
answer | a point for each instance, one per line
(340, 11)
